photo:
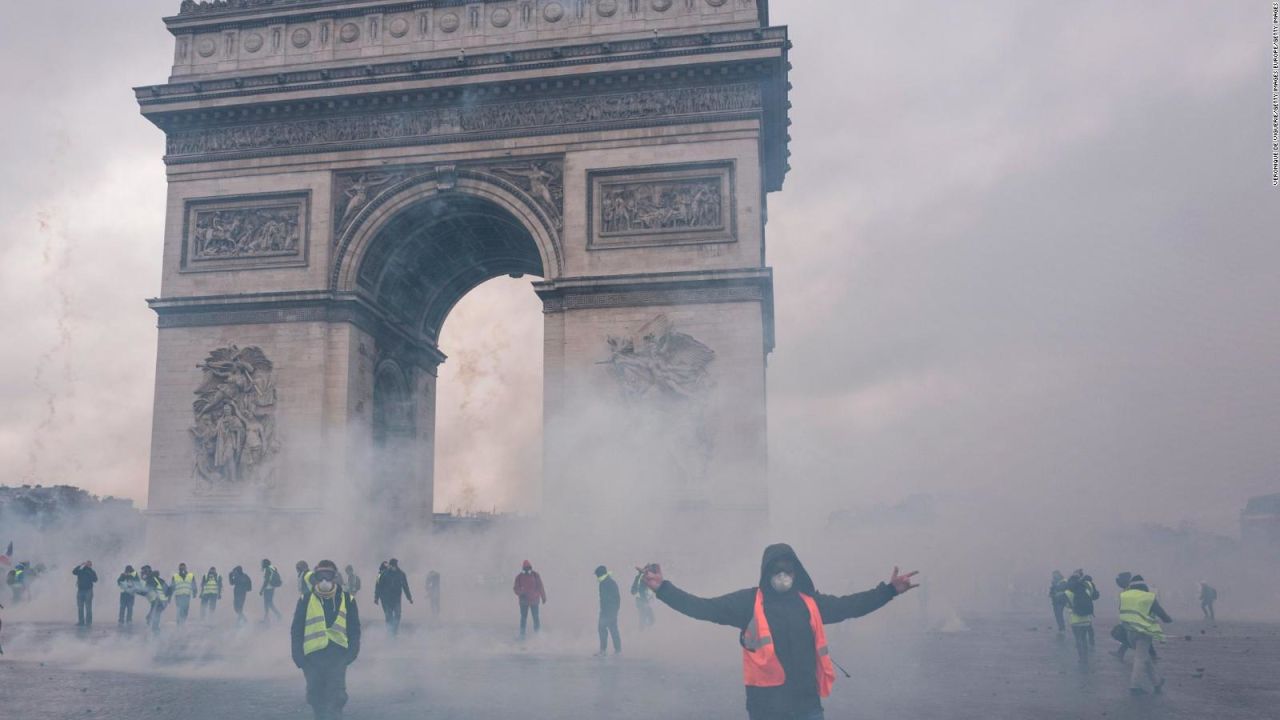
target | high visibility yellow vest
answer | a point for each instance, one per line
(210, 586)
(304, 582)
(315, 634)
(1072, 617)
(184, 585)
(1135, 613)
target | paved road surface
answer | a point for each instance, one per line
(996, 668)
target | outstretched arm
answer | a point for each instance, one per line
(836, 609)
(734, 609)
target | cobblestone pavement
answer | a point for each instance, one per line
(1008, 667)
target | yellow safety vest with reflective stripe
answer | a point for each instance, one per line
(316, 635)
(304, 582)
(1135, 613)
(184, 585)
(210, 586)
(1071, 612)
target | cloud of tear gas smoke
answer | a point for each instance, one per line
(1025, 310)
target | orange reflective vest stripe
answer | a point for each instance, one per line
(760, 664)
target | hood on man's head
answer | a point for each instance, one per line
(781, 551)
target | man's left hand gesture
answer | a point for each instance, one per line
(902, 583)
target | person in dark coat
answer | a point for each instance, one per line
(129, 584)
(325, 639)
(528, 588)
(610, 602)
(391, 583)
(783, 588)
(1058, 598)
(241, 584)
(85, 578)
(1208, 596)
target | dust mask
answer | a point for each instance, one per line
(781, 582)
(324, 588)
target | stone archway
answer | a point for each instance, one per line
(341, 172)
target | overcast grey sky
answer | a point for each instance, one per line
(1028, 255)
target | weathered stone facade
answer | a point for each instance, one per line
(341, 172)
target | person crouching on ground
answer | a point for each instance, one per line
(325, 640)
(785, 664)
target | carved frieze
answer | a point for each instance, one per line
(245, 232)
(568, 114)
(541, 180)
(663, 205)
(664, 376)
(234, 434)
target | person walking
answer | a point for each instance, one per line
(241, 584)
(643, 596)
(1058, 597)
(391, 583)
(304, 577)
(785, 662)
(528, 588)
(433, 593)
(353, 581)
(1208, 596)
(157, 594)
(1139, 611)
(1080, 596)
(270, 581)
(182, 589)
(325, 639)
(85, 578)
(210, 592)
(129, 585)
(610, 603)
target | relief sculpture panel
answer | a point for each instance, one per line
(245, 232)
(235, 431)
(665, 205)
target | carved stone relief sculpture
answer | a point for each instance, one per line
(664, 376)
(245, 232)
(234, 434)
(663, 205)
(541, 179)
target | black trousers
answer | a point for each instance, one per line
(84, 606)
(525, 609)
(391, 611)
(126, 608)
(607, 626)
(1058, 608)
(326, 675)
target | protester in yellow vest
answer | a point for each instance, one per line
(210, 592)
(325, 640)
(1140, 612)
(1080, 596)
(786, 666)
(182, 589)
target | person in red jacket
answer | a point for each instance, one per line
(528, 587)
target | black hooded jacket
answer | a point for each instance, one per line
(788, 624)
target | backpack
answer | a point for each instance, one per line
(1082, 602)
(275, 578)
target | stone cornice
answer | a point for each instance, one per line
(659, 289)
(292, 306)
(152, 97)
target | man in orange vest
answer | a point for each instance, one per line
(785, 664)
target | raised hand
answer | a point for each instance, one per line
(902, 583)
(652, 575)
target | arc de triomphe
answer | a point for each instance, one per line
(342, 172)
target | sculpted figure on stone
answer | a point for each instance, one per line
(234, 431)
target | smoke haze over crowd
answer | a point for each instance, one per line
(1025, 265)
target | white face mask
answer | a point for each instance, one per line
(782, 581)
(325, 587)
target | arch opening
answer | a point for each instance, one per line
(417, 265)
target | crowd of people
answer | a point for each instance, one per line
(1140, 628)
(787, 669)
